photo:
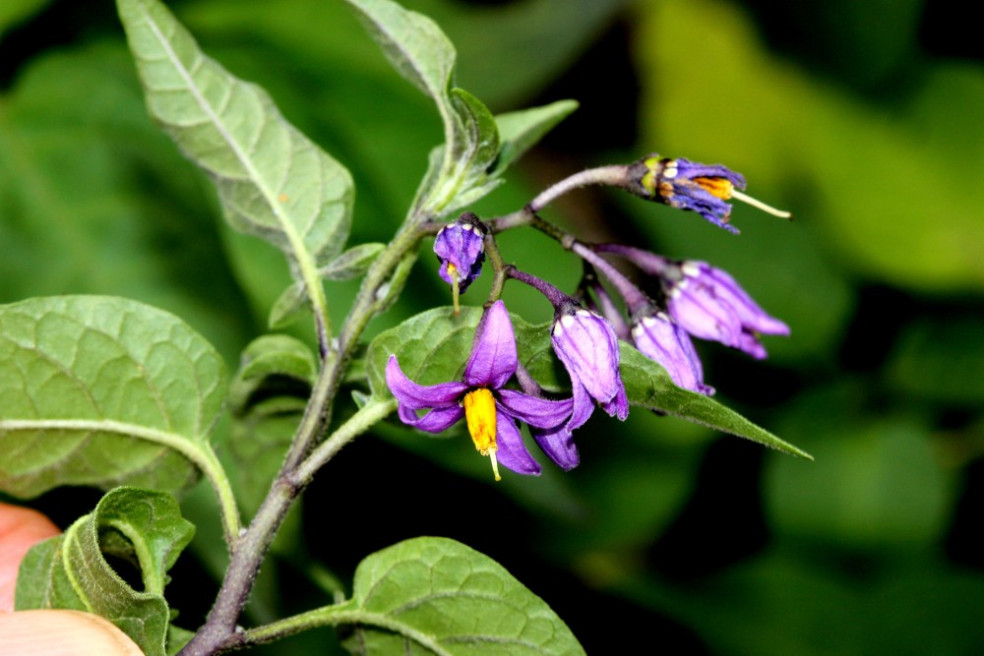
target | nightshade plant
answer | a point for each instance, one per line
(112, 393)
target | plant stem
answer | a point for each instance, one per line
(333, 616)
(219, 631)
(615, 175)
(369, 414)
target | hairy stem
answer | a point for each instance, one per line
(219, 633)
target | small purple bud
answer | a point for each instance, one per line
(587, 346)
(709, 304)
(460, 249)
(659, 339)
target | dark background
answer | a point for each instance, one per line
(864, 119)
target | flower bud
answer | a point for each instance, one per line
(660, 339)
(708, 303)
(460, 249)
(587, 346)
(686, 185)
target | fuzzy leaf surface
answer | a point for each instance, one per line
(70, 571)
(434, 346)
(103, 391)
(273, 182)
(438, 596)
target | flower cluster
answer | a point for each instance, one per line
(694, 299)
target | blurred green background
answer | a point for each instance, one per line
(863, 118)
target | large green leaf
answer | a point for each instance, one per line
(273, 182)
(100, 391)
(433, 347)
(70, 571)
(437, 596)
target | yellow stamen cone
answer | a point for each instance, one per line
(480, 417)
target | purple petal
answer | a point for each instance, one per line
(618, 406)
(416, 397)
(587, 346)
(583, 406)
(659, 339)
(694, 308)
(461, 244)
(729, 291)
(437, 420)
(511, 452)
(690, 170)
(493, 358)
(542, 413)
(558, 444)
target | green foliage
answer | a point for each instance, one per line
(138, 527)
(103, 391)
(273, 182)
(437, 596)
(266, 399)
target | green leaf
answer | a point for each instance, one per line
(352, 263)
(437, 596)
(269, 356)
(434, 346)
(267, 398)
(420, 51)
(414, 45)
(519, 131)
(70, 571)
(101, 391)
(273, 182)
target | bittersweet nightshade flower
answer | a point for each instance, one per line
(660, 339)
(460, 250)
(701, 188)
(708, 303)
(489, 409)
(587, 346)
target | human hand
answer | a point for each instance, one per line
(46, 632)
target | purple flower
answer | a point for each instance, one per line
(660, 339)
(587, 346)
(709, 304)
(460, 249)
(701, 188)
(687, 185)
(490, 411)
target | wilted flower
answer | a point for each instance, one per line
(460, 250)
(701, 188)
(587, 346)
(660, 339)
(709, 304)
(490, 410)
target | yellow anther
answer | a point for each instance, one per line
(720, 187)
(480, 418)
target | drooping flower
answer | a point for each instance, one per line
(660, 339)
(708, 303)
(460, 248)
(587, 346)
(489, 409)
(701, 188)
